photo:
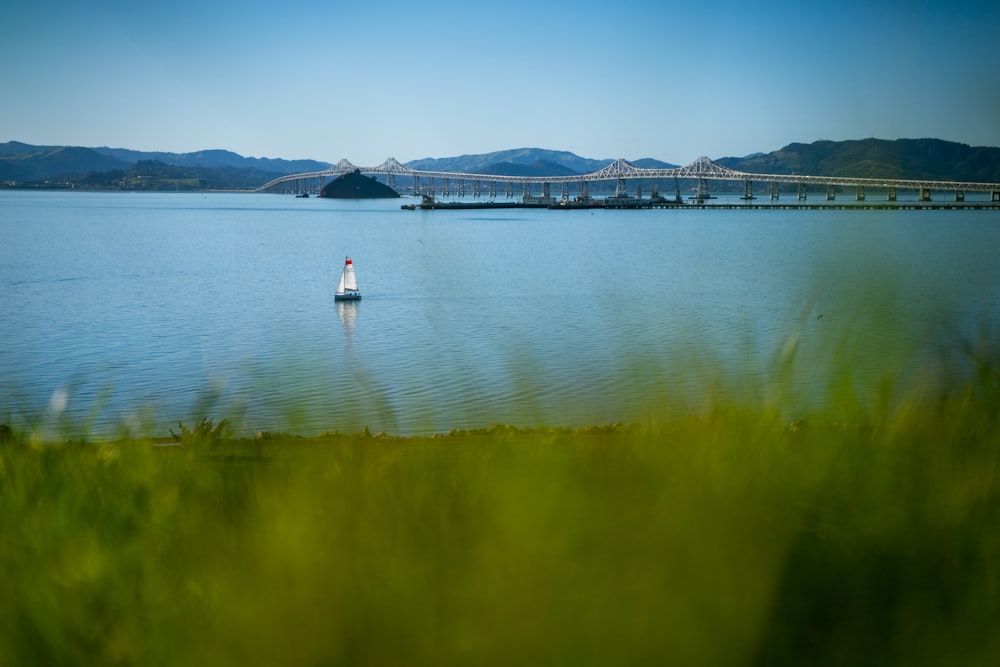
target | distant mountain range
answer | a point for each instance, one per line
(52, 166)
(24, 163)
(525, 162)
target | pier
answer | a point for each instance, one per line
(720, 206)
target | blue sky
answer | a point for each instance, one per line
(367, 80)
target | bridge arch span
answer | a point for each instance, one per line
(619, 170)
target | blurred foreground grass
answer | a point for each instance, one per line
(733, 540)
(866, 533)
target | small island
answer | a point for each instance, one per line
(355, 185)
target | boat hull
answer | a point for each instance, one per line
(347, 297)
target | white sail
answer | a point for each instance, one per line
(348, 282)
(349, 279)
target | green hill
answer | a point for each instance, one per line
(49, 162)
(931, 159)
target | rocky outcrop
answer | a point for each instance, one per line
(355, 185)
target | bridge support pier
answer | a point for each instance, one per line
(831, 194)
(890, 194)
(747, 190)
(959, 195)
(802, 191)
(621, 190)
(583, 191)
(925, 194)
(773, 191)
(702, 193)
(861, 193)
(995, 196)
(416, 185)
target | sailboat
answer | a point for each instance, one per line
(347, 288)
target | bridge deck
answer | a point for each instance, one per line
(621, 170)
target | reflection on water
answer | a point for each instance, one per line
(347, 311)
(159, 308)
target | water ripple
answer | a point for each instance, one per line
(180, 306)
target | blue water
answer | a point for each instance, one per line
(142, 310)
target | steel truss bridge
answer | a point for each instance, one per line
(621, 171)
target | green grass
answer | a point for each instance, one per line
(865, 531)
(736, 539)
